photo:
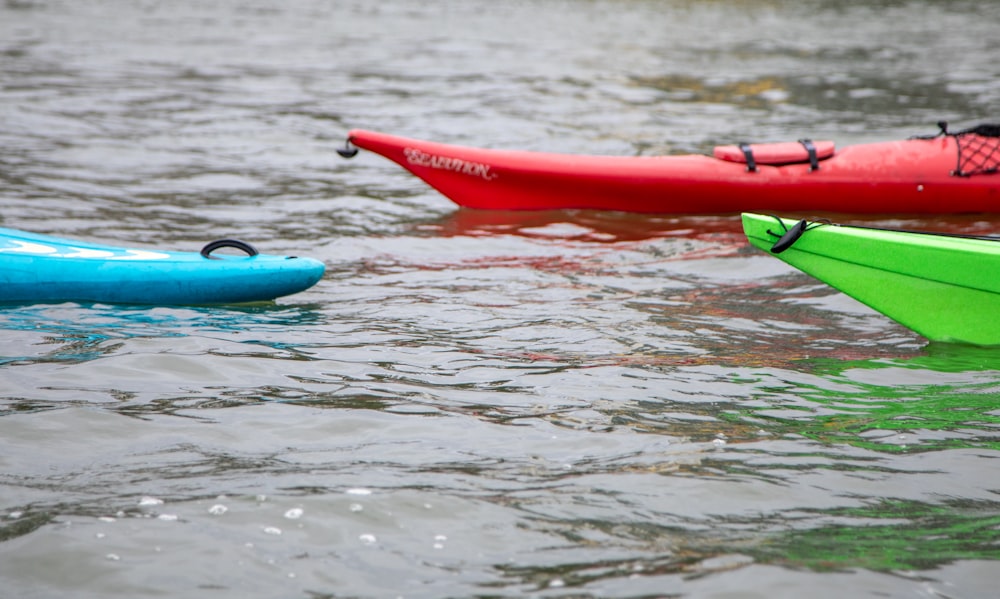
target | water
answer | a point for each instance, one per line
(572, 404)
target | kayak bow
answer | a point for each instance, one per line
(943, 287)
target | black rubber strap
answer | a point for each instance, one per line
(811, 150)
(748, 154)
(228, 243)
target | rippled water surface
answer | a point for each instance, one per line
(474, 403)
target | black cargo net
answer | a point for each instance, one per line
(978, 149)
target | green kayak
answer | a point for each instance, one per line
(944, 287)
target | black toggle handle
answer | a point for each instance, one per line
(790, 237)
(227, 243)
(349, 150)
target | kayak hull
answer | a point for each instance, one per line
(908, 176)
(940, 286)
(41, 268)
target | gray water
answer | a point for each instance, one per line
(477, 404)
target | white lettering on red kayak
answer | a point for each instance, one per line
(475, 169)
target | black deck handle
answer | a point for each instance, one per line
(227, 243)
(790, 237)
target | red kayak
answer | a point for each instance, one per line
(946, 173)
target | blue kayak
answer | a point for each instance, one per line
(40, 268)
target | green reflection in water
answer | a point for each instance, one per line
(22, 525)
(886, 536)
(935, 357)
(890, 535)
(947, 398)
(946, 410)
